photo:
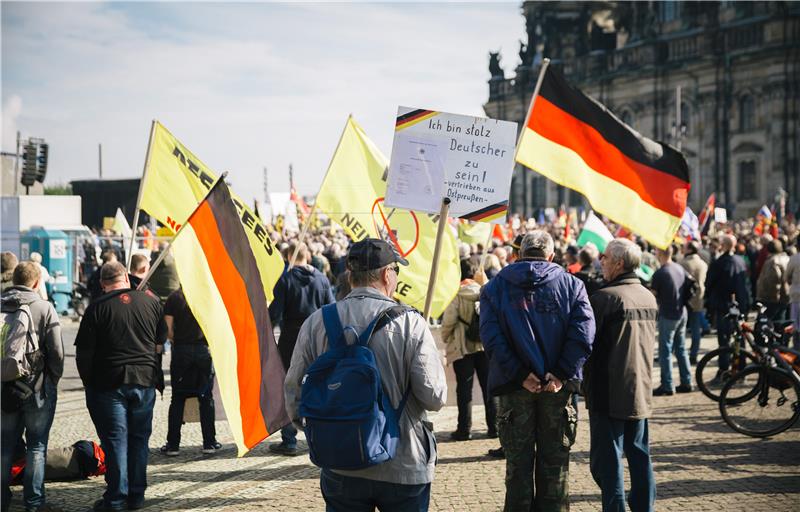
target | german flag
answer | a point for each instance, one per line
(224, 290)
(576, 142)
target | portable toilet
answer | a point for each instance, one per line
(55, 247)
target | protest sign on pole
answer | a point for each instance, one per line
(466, 159)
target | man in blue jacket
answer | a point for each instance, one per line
(537, 327)
(300, 291)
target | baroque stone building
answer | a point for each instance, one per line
(737, 65)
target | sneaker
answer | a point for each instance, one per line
(491, 434)
(284, 449)
(497, 453)
(170, 451)
(101, 506)
(212, 448)
(684, 388)
(693, 360)
(659, 391)
(460, 435)
(135, 504)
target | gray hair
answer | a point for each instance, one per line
(625, 251)
(537, 243)
(727, 242)
(360, 278)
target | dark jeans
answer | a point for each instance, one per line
(192, 376)
(724, 331)
(351, 494)
(465, 370)
(697, 321)
(123, 418)
(610, 438)
(34, 418)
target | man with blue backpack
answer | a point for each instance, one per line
(363, 374)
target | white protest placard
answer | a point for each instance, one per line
(437, 155)
(720, 215)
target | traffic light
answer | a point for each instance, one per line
(29, 163)
(41, 169)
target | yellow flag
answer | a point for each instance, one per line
(176, 181)
(352, 196)
(474, 232)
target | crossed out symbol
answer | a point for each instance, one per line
(386, 229)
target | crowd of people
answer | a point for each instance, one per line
(537, 319)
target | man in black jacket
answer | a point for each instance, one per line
(726, 280)
(116, 358)
(299, 292)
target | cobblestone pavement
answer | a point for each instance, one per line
(700, 464)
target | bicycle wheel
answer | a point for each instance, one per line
(710, 378)
(772, 409)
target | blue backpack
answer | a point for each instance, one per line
(348, 420)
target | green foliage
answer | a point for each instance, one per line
(58, 189)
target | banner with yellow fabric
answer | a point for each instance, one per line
(175, 181)
(352, 196)
(474, 232)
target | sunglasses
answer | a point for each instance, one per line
(396, 269)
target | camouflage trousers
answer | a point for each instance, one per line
(536, 431)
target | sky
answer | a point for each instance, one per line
(243, 85)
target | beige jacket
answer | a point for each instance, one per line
(697, 268)
(406, 354)
(454, 330)
(772, 284)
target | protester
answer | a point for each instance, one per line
(95, 286)
(298, 293)
(537, 327)
(492, 266)
(116, 359)
(618, 381)
(772, 288)
(164, 280)
(668, 285)
(466, 354)
(191, 375)
(139, 268)
(696, 267)
(726, 279)
(33, 414)
(592, 279)
(8, 262)
(502, 256)
(44, 275)
(793, 279)
(407, 358)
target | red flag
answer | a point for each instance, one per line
(707, 214)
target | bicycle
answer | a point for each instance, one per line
(709, 374)
(763, 399)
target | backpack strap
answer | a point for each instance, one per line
(381, 321)
(333, 326)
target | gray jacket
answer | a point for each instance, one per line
(47, 325)
(406, 354)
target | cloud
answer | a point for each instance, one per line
(243, 85)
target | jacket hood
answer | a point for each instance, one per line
(470, 290)
(303, 273)
(530, 274)
(18, 295)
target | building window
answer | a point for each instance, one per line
(670, 10)
(747, 113)
(747, 181)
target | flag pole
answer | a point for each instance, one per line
(307, 223)
(139, 198)
(436, 251)
(169, 246)
(545, 64)
(486, 248)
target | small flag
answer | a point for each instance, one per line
(707, 214)
(121, 225)
(595, 231)
(764, 213)
(690, 225)
(221, 281)
(576, 142)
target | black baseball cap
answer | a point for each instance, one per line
(371, 254)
